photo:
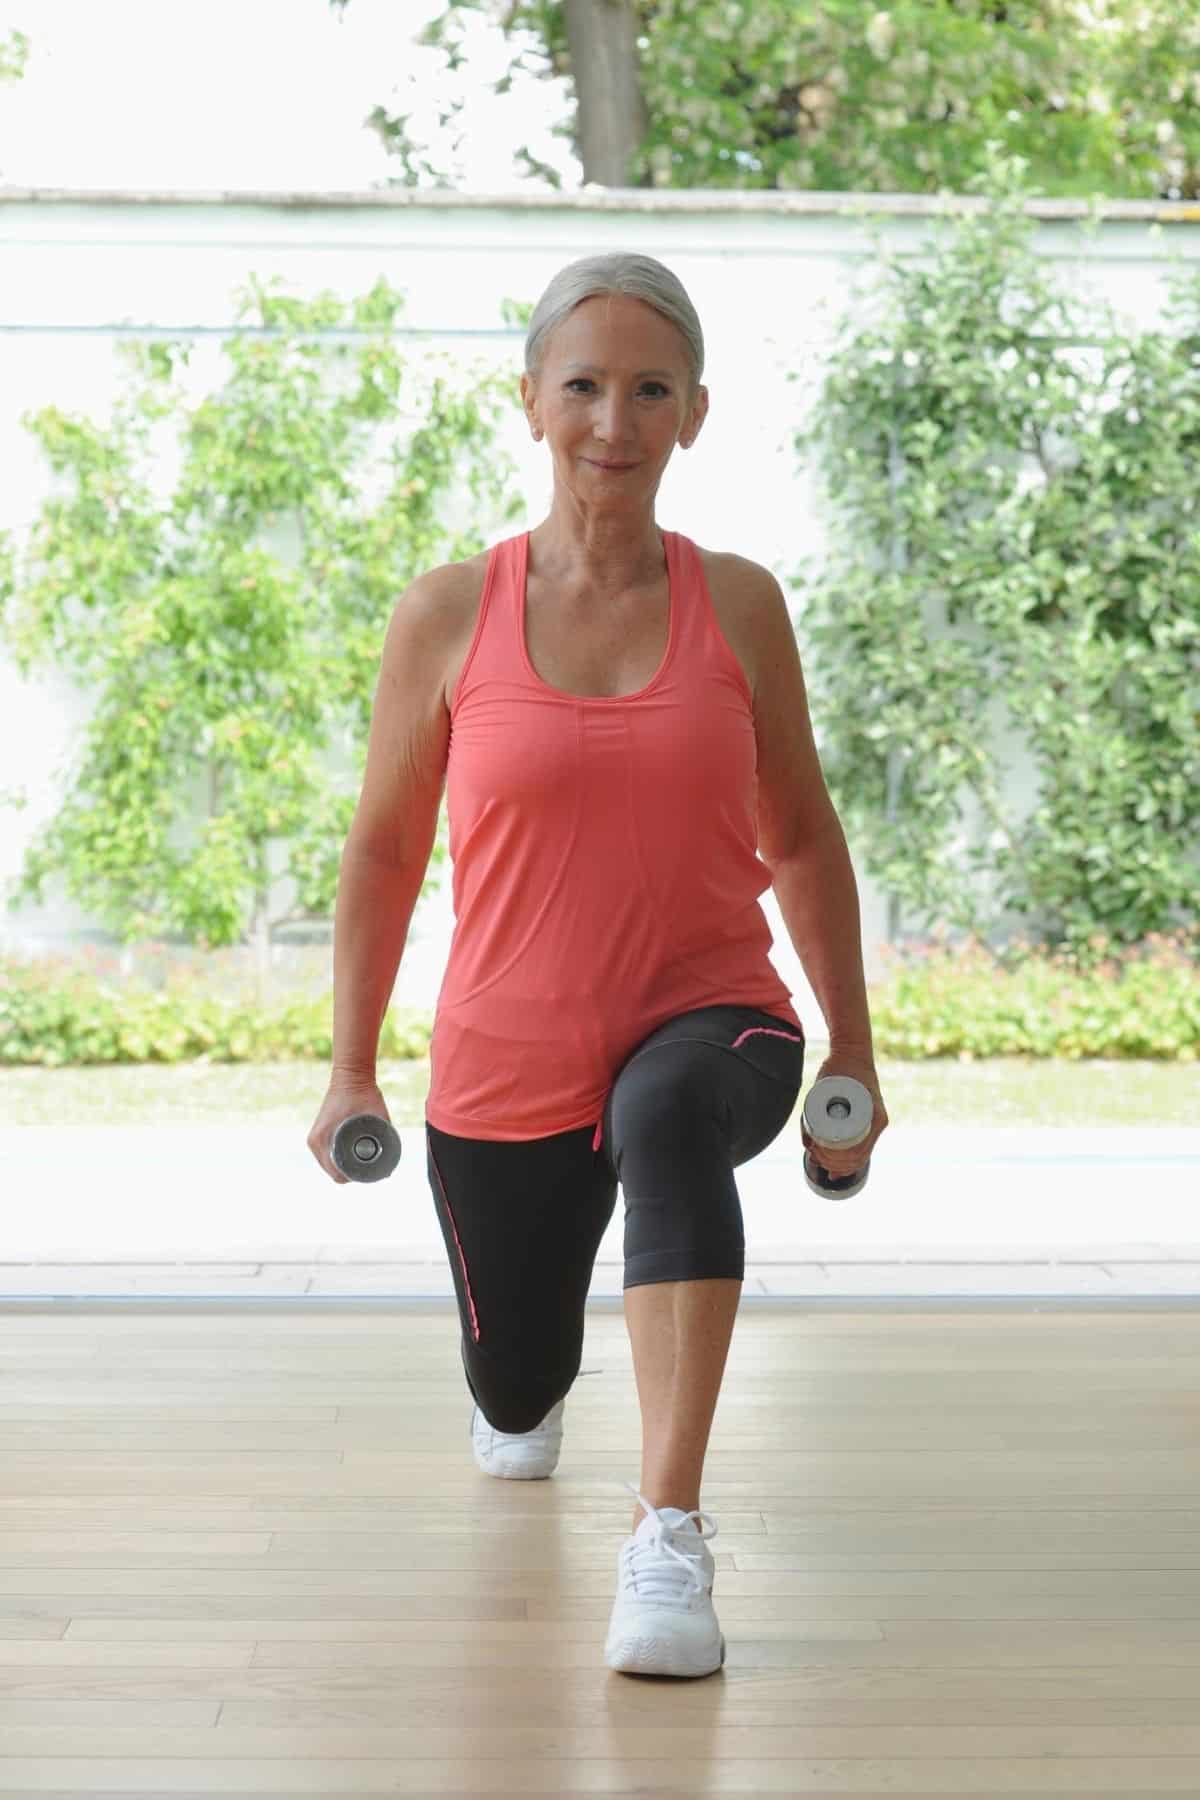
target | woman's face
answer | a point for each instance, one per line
(613, 388)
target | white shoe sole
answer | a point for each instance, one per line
(525, 1456)
(641, 1653)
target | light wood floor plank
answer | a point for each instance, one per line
(248, 1553)
(680, 1778)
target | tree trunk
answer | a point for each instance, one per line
(612, 120)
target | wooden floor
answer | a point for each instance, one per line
(247, 1551)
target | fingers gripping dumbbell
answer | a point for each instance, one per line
(837, 1115)
(365, 1147)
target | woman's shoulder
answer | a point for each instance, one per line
(456, 589)
(452, 580)
(735, 571)
(744, 594)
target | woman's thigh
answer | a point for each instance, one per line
(702, 1094)
(522, 1222)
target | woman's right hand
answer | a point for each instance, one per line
(346, 1095)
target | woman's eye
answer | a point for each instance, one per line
(579, 381)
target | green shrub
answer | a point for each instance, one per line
(1104, 1001)
(937, 1001)
(56, 1013)
(1008, 498)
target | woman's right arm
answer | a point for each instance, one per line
(387, 849)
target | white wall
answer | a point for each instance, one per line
(770, 275)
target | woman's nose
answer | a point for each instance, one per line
(612, 418)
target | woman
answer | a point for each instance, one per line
(620, 721)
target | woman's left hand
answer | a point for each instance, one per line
(848, 1159)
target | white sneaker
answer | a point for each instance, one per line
(663, 1621)
(518, 1455)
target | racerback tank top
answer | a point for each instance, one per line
(605, 866)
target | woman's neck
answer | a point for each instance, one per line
(609, 553)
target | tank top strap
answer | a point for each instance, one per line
(702, 645)
(689, 591)
(497, 653)
(495, 650)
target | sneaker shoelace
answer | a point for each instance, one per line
(649, 1562)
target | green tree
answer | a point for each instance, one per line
(224, 670)
(852, 95)
(1009, 480)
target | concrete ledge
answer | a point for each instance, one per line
(862, 1278)
(595, 199)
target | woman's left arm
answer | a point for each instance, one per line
(818, 898)
(800, 838)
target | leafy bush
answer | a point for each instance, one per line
(228, 628)
(56, 1014)
(1009, 490)
(938, 1000)
(1101, 1001)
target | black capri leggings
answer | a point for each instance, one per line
(523, 1220)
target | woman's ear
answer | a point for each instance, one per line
(699, 412)
(528, 401)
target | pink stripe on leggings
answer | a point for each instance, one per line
(458, 1241)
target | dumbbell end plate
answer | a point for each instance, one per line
(365, 1147)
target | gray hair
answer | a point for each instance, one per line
(616, 272)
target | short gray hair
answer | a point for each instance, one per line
(616, 272)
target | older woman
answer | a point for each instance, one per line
(619, 719)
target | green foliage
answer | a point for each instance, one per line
(1014, 522)
(936, 1001)
(905, 98)
(967, 1002)
(224, 670)
(14, 57)
(1094, 95)
(55, 1013)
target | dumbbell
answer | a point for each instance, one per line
(365, 1147)
(837, 1114)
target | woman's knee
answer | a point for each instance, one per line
(683, 1217)
(510, 1400)
(664, 1096)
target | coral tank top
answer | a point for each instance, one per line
(605, 866)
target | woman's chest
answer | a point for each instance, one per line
(598, 648)
(608, 650)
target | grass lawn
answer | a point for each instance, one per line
(1006, 1091)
